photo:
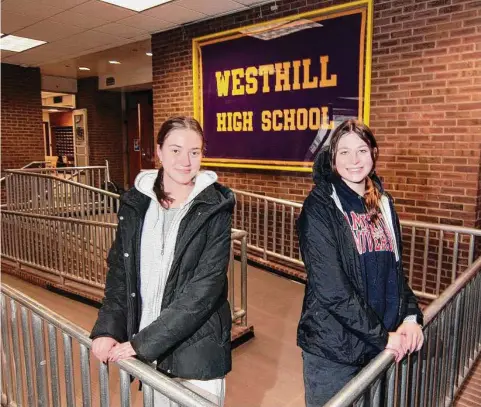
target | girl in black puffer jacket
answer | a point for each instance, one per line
(166, 290)
(357, 301)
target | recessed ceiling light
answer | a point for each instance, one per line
(149, 54)
(137, 5)
(114, 62)
(83, 68)
(18, 44)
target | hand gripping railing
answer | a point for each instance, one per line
(46, 359)
(432, 376)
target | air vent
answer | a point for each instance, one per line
(57, 99)
(110, 81)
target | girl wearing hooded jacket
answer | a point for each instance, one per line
(166, 288)
(357, 301)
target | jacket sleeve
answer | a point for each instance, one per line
(112, 317)
(193, 307)
(331, 285)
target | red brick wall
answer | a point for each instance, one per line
(21, 124)
(425, 109)
(104, 119)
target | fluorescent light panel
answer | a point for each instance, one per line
(114, 62)
(137, 5)
(149, 54)
(83, 68)
(18, 44)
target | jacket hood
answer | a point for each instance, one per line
(144, 183)
(206, 189)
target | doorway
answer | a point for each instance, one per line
(66, 137)
(140, 133)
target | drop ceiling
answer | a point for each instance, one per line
(90, 32)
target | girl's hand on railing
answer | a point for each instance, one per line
(102, 346)
(121, 351)
(396, 345)
(413, 335)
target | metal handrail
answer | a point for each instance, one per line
(67, 181)
(353, 390)
(56, 169)
(271, 224)
(146, 374)
(25, 167)
(61, 218)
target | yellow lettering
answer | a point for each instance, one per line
(222, 80)
(229, 121)
(251, 80)
(302, 119)
(237, 119)
(314, 119)
(276, 117)
(308, 82)
(282, 75)
(237, 88)
(289, 119)
(265, 71)
(266, 120)
(296, 85)
(221, 122)
(324, 82)
(326, 125)
(247, 121)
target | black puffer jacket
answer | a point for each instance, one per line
(191, 337)
(336, 322)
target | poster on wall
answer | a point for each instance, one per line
(268, 95)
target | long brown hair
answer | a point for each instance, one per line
(371, 194)
(173, 123)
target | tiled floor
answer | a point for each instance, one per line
(267, 370)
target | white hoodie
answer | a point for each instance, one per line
(155, 266)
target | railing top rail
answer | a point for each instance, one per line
(25, 167)
(60, 218)
(410, 223)
(53, 177)
(441, 226)
(270, 199)
(356, 387)
(64, 169)
(143, 372)
(237, 233)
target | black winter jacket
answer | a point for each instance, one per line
(191, 337)
(336, 322)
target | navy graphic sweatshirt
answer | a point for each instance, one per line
(376, 250)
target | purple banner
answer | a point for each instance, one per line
(271, 95)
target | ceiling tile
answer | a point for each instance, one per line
(5, 54)
(12, 22)
(211, 7)
(80, 20)
(173, 13)
(121, 30)
(147, 23)
(103, 10)
(48, 30)
(29, 8)
(61, 4)
(88, 39)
